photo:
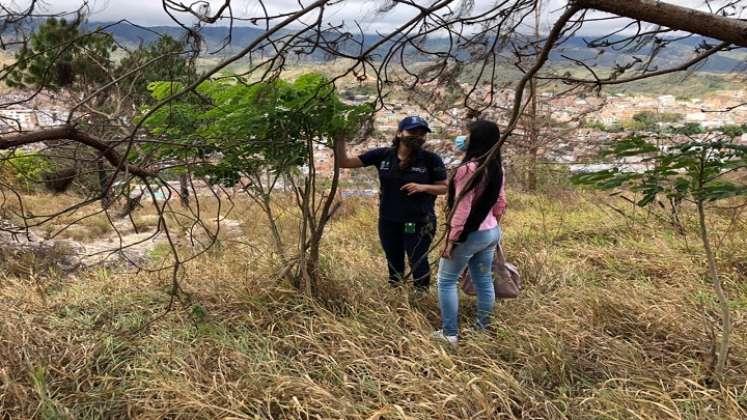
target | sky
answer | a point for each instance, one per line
(151, 13)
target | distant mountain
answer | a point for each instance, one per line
(575, 47)
(214, 36)
(675, 53)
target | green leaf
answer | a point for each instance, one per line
(264, 127)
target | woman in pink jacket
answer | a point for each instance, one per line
(474, 230)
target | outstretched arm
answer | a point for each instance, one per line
(341, 154)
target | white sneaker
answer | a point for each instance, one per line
(451, 339)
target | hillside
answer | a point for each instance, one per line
(719, 72)
(610, 325)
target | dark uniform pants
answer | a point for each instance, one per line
(396, 243)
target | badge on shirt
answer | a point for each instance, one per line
(384, 165)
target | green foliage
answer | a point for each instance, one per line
(695, 171)
(636, 126)
(696, 85)
(595, 125)
(650, 121)
(598, 125)
(170, 64)
(642, 121)
(689, 129)
(669, 117)
(60, 56)
(690, 171)
(27, 168)
(732, 131)
(646, 120)
(632, 146)
(243, 129)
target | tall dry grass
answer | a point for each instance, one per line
(614, 323)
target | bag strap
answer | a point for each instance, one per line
(499, 255)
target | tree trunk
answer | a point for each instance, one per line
(184, 190)
(314, 221)
(305, 281)
(533, 135)
(262, 196)
(312, 270)
(131, 204)
(103, 183)
(532, 169)
(675, 214)
(723, 351)
(533, 123)
(274, 229)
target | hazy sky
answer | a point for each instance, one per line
(150, 12)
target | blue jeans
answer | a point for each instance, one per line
(477, 253)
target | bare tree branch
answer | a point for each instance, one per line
(71, 133)
(671, 16)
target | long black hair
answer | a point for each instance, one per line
(483, 135)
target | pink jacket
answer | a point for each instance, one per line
(461, 213)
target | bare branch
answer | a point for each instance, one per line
(71, 133)
(680, 18)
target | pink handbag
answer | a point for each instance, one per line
(506, 278)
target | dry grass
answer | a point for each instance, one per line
(86, 223)
(611, 325)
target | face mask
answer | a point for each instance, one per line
(461, 143)
(413, 142)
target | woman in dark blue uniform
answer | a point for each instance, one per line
(410, 179)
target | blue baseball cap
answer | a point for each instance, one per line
(411, 123)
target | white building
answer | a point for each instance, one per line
(667, 101)
(20, 118)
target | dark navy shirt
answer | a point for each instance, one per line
(394, 204)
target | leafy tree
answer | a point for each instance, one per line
(732, 131)
(689, 129)
(169, 63)
(595, 125)
(60, 56)
(164, 60)
(646, 120)
(263, 133)
(698, 172)
(27, 169)
(649, 121)
(633, 125)
(669, 117)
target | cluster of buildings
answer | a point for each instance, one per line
(570, 143)
(711, 112)
(20, 114)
